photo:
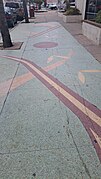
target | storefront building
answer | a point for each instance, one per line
(89, 8)
(91, 26)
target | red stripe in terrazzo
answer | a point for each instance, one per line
(43, 32)
(71, 92)
(86, 121)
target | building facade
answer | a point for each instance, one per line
(91, 11)
(88, 8)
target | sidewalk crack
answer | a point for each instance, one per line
(9, 89)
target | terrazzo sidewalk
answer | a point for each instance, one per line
(50, 101)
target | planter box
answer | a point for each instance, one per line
(72, 18)
(60, 14)
(92, 31)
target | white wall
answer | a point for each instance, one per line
(81, 5)
(92, 32)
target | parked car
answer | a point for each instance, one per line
(18, 7)
(52, 6)
(61, 6)
(11, 16)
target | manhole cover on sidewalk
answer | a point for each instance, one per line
(45, 45)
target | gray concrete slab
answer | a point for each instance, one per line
(45, 164)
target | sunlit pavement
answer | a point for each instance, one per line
(50, 101)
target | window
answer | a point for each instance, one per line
(92, 8)
(12, 5)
